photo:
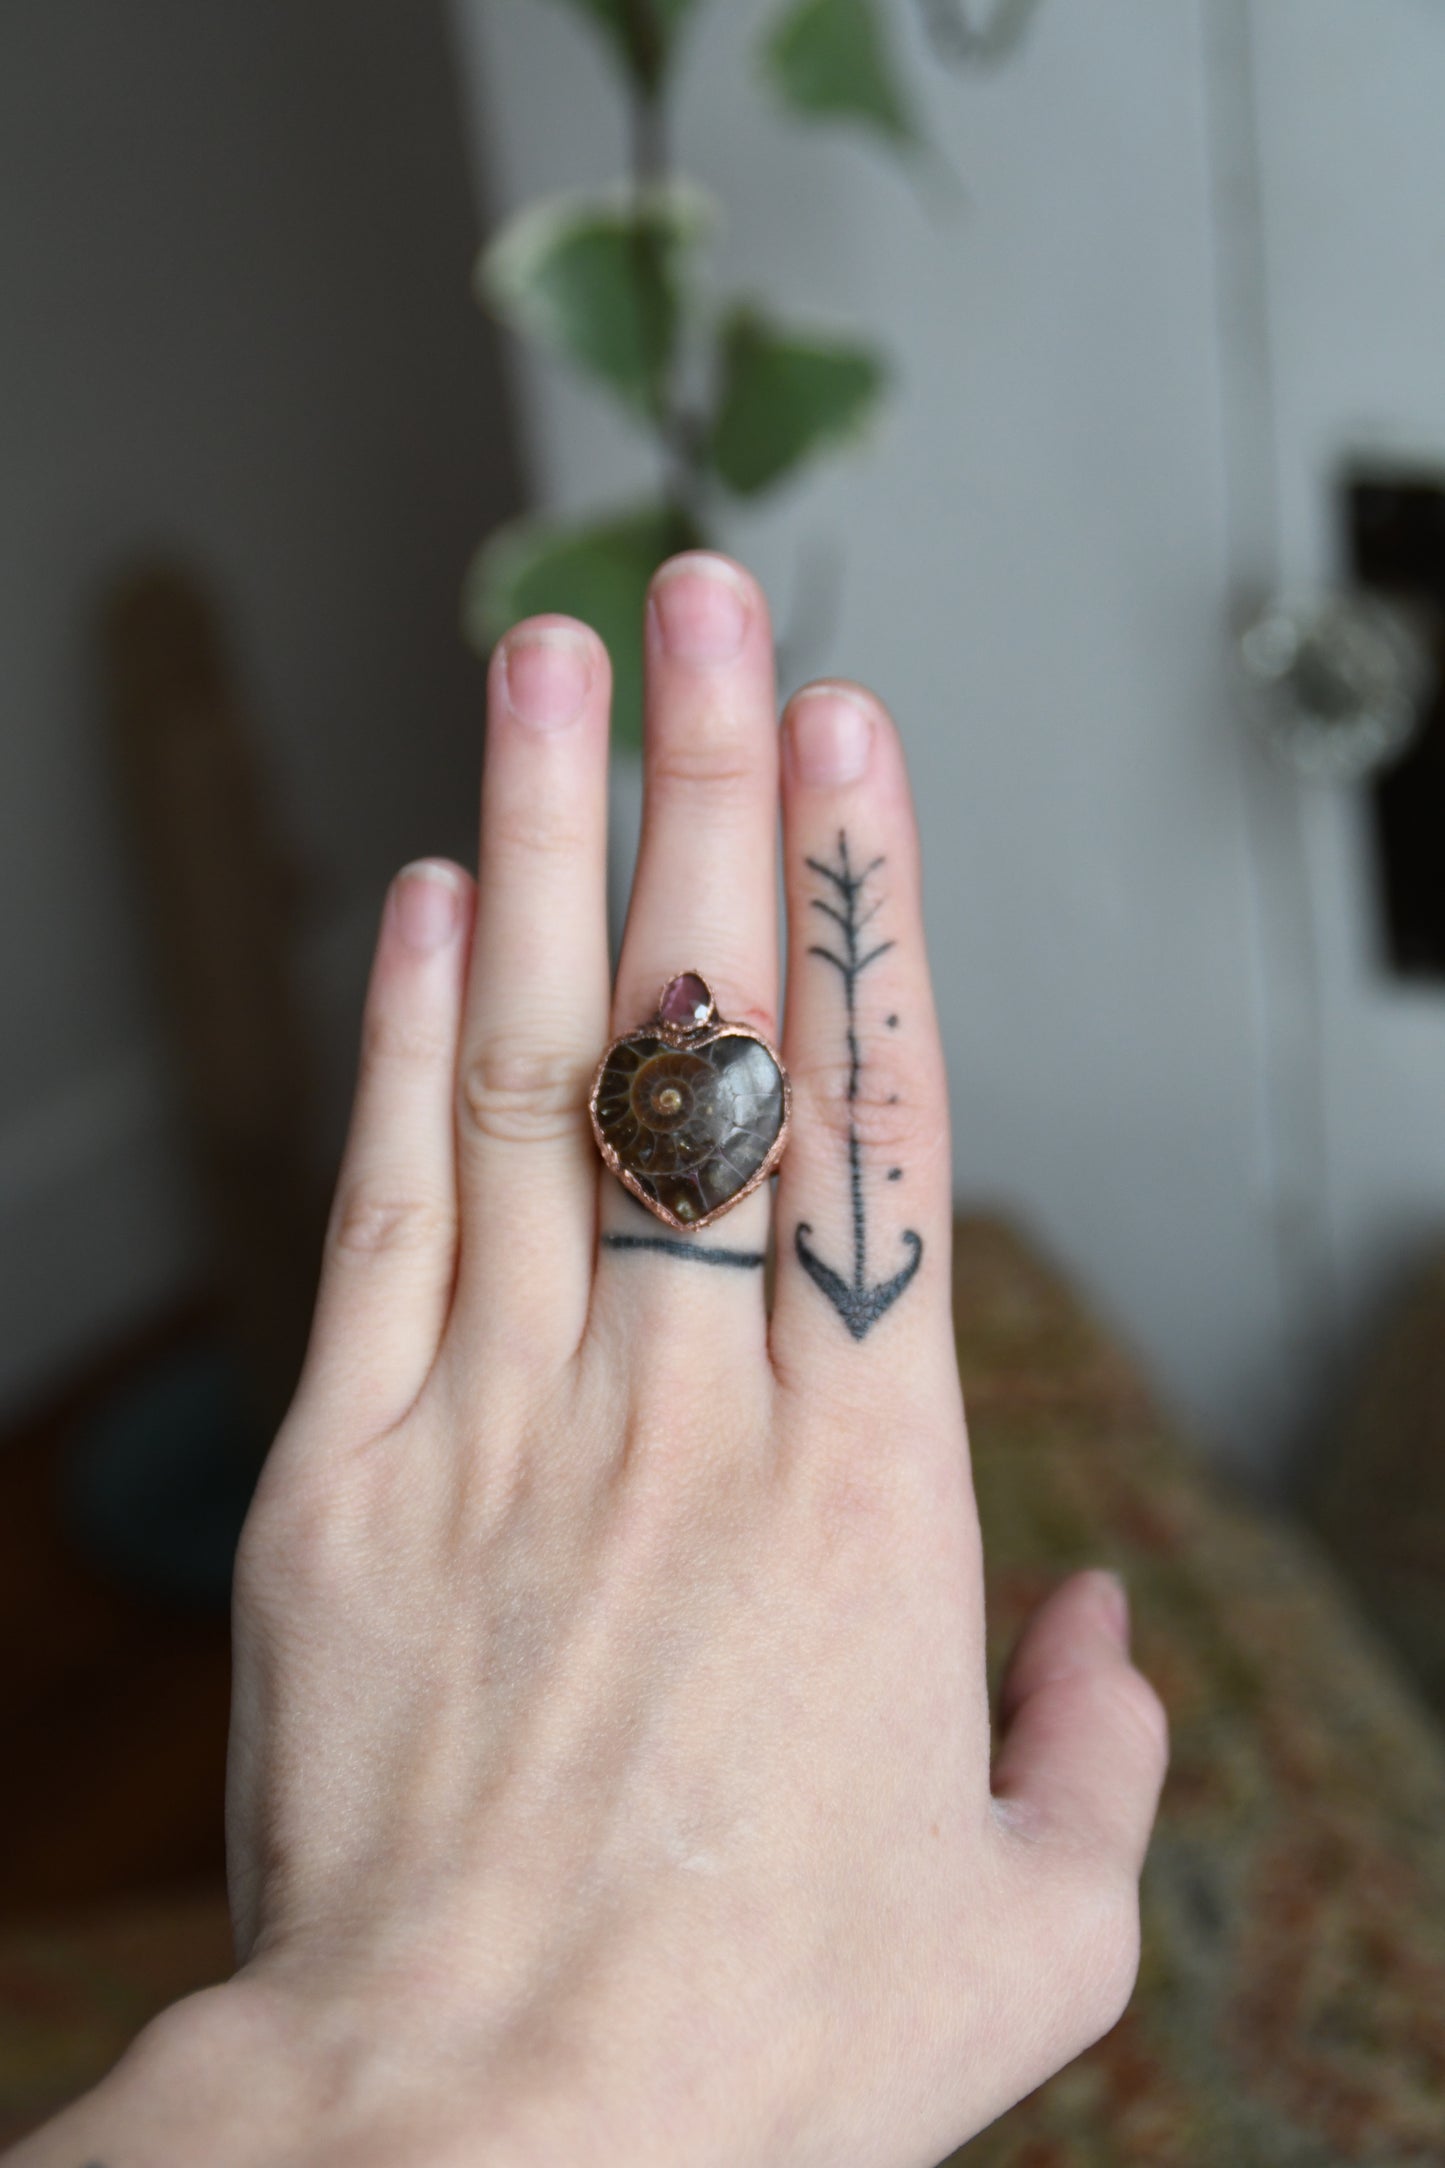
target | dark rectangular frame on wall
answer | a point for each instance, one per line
(1394, 536)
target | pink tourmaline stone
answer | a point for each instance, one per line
(686, 1000)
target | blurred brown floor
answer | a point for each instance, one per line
(113, 1709)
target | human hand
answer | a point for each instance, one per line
(610, 1768)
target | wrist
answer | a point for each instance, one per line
(255, 2075)
(220, 2078)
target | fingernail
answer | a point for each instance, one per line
(546, 671)
(427, 900)
(830, 733)
(700, 605)
(1114, 1606)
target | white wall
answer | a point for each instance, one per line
(1352, 161)
(1037, 572)
(1197, 258)
(234, 253)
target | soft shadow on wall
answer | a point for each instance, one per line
(235, 246)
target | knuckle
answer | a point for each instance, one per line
(690, 1412)
(373, 1221)
(1133, 1708)
(1104, 1950)
(859, 1507)
(534, 831)
(292, 1554)
(323, 1525)
(387, 1043)
(882, 1105)
(518, 1093)
(710, 756)
(863, 1509)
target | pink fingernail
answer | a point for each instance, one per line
(830, 733)
(700, 604)
(427, 900)
(546, 673)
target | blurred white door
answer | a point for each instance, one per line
(1337, 354)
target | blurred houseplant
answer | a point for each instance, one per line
(734, 400)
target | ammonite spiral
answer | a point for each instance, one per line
(690, 1112)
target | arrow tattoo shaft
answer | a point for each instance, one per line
(857, 1303)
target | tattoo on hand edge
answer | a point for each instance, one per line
(858, 1304)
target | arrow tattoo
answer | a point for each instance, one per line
(859, 1305)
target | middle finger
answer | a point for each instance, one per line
(704, 896)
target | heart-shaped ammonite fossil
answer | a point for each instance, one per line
(690, 1112)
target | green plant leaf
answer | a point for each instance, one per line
(830, 60)
(597, 570)
(643, 33)
(785, 395)
(599, 281)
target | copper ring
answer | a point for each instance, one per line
(690, 1112)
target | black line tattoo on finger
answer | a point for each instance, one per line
(668, 1246)
(859, 1304)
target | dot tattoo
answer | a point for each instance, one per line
(858, 1302)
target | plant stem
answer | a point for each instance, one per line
(678, 436)
(651, 150)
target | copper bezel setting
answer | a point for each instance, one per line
(702, 1033)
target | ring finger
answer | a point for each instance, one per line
(864, 1206)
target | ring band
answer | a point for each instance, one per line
(690, 1112)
